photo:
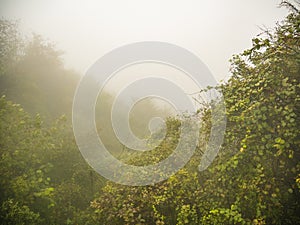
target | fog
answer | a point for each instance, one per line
(85, 30)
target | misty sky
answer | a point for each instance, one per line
(85, 30)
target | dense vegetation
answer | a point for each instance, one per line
(254, 180)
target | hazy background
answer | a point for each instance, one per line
(85, 30)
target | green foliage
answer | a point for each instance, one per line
(254, 180)
(23, 168)
(14, 214)
(39, 180)
(40, 165)
(157, 204)
(262, 101)
(223, 216)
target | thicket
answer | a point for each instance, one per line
(254, 180)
